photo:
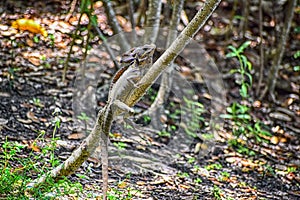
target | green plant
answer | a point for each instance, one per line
(237, 112)
(291, 169)
(175, 115)
(120, 145)
(244, 69)
(147, 119)
(36, 39)
(240, 148)
(37, 102)
(213, 166)
(191, 160)
(16, 171)
(198, 180)
(83, 117)
(296, 56)
(183, 175)
(217, 192)
(164, 133)
(152, 93)
(122, 192)
(52, 40)
(194, 110)
(258, 132)
(224, 176)
(240, 113)
(56, 122)
(269, 169)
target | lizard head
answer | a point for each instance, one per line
(142, 55)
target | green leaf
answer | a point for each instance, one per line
(244, 116)
(230, 55)
(83, 5)
(198, 104)
(243, 91)
(232, 48)
(232, 71)
(190, 133)
(252, 153)
(94, 21)
(250, 128)
(229, 109)
(244, 61)
(240, 17)
(36, 39)
(257, 126)
(226, 116)
(244, 46)
(258, 139)
(296, 68)
(250, 78)
(266, 133)
(243, 108)
(249, 65)
(297, 54)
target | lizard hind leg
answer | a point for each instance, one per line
(126, 114)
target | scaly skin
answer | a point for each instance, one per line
(137, 61)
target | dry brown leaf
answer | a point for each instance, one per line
(122, 185)
(257, 104)
(76, 136)
(35, 61)
(24, 121)
(283, 140)
(30, 115)
(232, 159)
(185, 187)
(274, 140)
(141, 183)
(34, 147)
(29, 42)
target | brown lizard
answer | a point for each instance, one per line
(136, 63)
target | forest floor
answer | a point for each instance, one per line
(148, 163)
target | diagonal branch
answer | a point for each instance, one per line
(88, 146)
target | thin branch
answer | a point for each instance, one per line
(273, 75)
(141, 12)
(166, 80)
(66, 63)
(73, 5)
(112, 19)
(107, 47)
(152, 23)
(131, 13)
(261, 49)
(246, 10)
